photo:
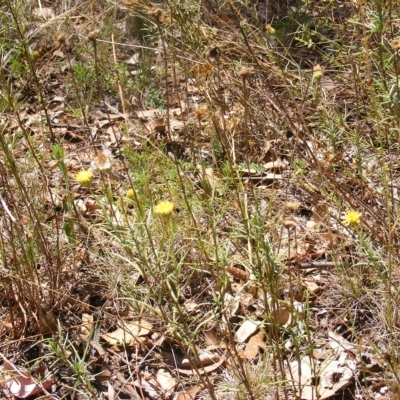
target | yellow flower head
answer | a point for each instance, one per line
(351, 218)
(164, 208)
(270, 29)
(130, 194)
(84, 178)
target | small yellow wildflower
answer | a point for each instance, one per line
(84, 178)
(270, 29)
(351, 218)
(130, 194)
(164, 208)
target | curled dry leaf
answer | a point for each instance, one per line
(204, 358)
(253, 346)
(202, 371)
(247, 329)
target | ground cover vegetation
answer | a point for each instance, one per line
(199, 199)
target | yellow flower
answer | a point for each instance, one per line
(164, 208)
(84, 178)
(130, 194)
(270, 29)
(351, 218)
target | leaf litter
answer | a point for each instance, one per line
(305, 242)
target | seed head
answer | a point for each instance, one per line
(246, 72)
(200, 111)
(60, 38)
(92, 36)
(156, 13)
(103, 161)
(395, 45)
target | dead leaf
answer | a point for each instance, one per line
(302, 373)
(192, 307)
(44, 12)
(111, 392)
(150, 386)
(86, 326)
(59, 54)
(104, 375)
(190, 393)
(158, 125)
(211, 338)
(247, 329)
(21, 384)
(129, 335)
(203, 371)
(147, 114)
(115, 134)
(204, 358)
(335, 376)
(232, 304)
(253, 346)
(166, 381)
(312, 287)
(109, 116)
(274, 164)
(209, 181)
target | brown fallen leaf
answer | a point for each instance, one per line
(129, 335)
(190, 393)
(166, 381)
(86, 326)
(209, 181)
(204, 358)
(115, 134)
(203, 371)
(253, 346)
(247, 329)
(158, 125)
(104, 375)
(150, 386)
